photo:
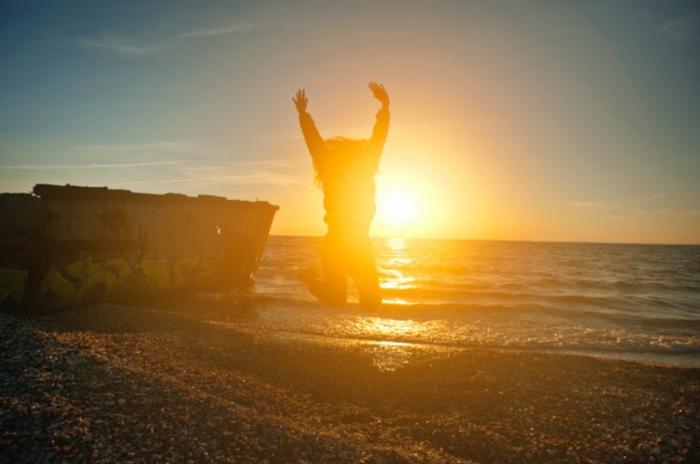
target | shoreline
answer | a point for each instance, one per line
(645, 358)
(216, 309)
(110, 382)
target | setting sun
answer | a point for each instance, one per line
(408, 204)
(397, 207)
(368, 231)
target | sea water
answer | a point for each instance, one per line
(639, 302)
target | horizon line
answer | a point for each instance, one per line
(571, 242)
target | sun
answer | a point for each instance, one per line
(397, 207)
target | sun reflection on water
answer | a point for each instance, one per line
(397, 244)
(397, 301)
(394, 275)
(381, 327)
(396, 279)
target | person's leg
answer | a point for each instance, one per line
(365, 276)
(332, 290)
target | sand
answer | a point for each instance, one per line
(116, 383)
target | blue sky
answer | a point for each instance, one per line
(545, 120)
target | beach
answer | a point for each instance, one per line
(122, 383)
(350, 232)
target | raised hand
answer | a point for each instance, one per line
(300, 101)
(379, 93)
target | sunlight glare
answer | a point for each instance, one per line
(398, 207)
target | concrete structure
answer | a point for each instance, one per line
(65, 246)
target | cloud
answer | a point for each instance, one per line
(129, 48)
(154, 163)
(644, 206)
(265, 165)
(258, 178)
(664, 212)
(683, 30)
(214, 31)
(114, 156)
(658, 196)
(252, 172)
(680, 212)
(587, 204)
(51, 167)
(122, 46)
(243, 176)
(568, 32)
(636, 202)
(163, 146)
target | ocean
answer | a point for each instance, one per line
(636, 302)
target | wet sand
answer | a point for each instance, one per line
(116, 383)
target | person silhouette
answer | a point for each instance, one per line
(345, 169)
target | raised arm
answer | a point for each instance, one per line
(313, 138)
(381, 126)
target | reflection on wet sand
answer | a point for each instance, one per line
(381, 327)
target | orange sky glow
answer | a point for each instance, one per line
(549, 121)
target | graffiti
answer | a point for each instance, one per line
(12, 283)
(96, 244)
(88, 280)
(208, 268)
(186, 270)
(55, 291)
(96, 279)
(82, 281)
(85, 267)
(155, 274)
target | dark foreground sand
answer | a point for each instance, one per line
(110, 383)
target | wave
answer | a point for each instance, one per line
(484, 311)
(459, 282)
(505, 295)
(602, 343)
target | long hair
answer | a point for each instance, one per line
(339, 155)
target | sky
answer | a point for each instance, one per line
(511, 120)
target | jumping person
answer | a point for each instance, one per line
(345, 168)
